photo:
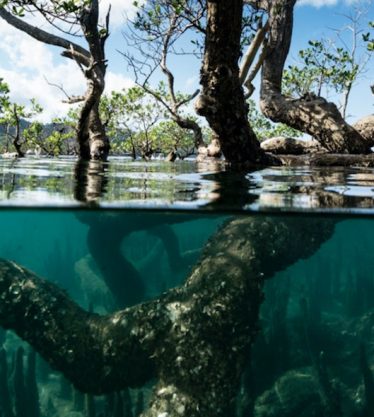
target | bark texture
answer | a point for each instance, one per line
(310, 114)
(290, 146)
(195, 338)
(93, 142)
(222, 98)
(365, 127)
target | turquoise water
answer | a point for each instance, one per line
(189, 282)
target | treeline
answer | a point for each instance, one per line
(135, 124)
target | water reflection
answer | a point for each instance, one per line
(90, 181)
(183, 185)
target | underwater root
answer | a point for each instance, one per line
(195, 339)
(120, 275)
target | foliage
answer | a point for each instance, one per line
(137, 123)
(321, 67)
(168, 136)
(368, 37)
(4, 91)
(60, 137)
(129, 116)
(264, 128)
(55, 9)
(154, 18)
(11, 116)
(32, 134)
(331, 65)
(52, 143)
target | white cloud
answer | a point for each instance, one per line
(322, 3)
(115, 82)
(317, 3)
(120, 11)
(27, 64)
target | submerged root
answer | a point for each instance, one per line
(195, 339)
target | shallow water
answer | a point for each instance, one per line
(184, 185)
(314, 353)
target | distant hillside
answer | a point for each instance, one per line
(24, 124)
(68, 146)
(48, 128)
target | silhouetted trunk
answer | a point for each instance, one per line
(222, 98)
(310, 114)
(17, 136)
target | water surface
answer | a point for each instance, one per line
(184, 185)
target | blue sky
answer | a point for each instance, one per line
(312, 22)
(26, 64)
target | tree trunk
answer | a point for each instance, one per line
(196, 129)
(309, 114)
(195, 339)
(222, 98)
(92, 139)
(17, 136)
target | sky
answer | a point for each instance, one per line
(28, 66)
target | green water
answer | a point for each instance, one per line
(185, 290)
(315, 348)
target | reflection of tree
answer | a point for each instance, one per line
(90, 181)
(325, 188)
(231, 190)
(194, 338)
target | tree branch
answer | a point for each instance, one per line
(252, 51)
(67, 335)
(69, 99)
(41, 35)
(254, 71)
(188, 99)
(77, 57)
(310, 114)
(258, 4)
